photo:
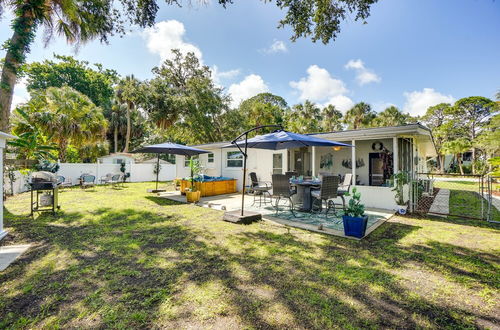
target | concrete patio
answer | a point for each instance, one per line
(232, 202)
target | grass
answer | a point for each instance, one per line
(465, 199)
(122, 258)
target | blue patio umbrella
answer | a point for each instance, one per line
(286, 140)
(169, 148)
(277, 140)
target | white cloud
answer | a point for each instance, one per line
(250, 86)
(417, 102)
(319, 85)
(363, 75)
(220, 76)
(277, 46)
(21, 94)
(381, 106)
(341, 102)
(167, 35)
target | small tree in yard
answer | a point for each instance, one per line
(473, 113)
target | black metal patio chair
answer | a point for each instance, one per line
(326, 193)
(282, 190)
(259, 188)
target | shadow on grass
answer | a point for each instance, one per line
(163, 201)
(123, 268)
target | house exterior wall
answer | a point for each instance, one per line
(259, 161)
(363, 149)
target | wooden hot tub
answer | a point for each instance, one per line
(211, 187)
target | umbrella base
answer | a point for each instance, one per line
(246, 218)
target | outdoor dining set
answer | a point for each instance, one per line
(310, 194)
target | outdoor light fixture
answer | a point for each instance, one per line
(337, 148)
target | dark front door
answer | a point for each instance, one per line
(376, 169)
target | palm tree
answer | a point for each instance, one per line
(391, 116)
(360, 115)
(331, 119)
(67, 117)
(117, 121)
(457, 147)
(77, 22)
(304, 118)
(32, 146)
(126, 93)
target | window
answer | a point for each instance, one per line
(211, 157)
(278, 163)
(234, 159)
(118, 161)
(187, 158)
(467, 156)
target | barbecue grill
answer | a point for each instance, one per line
(44, 192)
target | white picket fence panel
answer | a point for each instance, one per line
(140, 172)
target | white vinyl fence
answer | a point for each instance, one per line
(139, 172)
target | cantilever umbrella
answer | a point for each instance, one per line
(278, 140)
(169, 148)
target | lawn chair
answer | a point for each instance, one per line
(259, 188)
(64, 182)
(327, 192)
(106, 179)
(282, 189)
(87, 180)
(344, 188)
(115, 180)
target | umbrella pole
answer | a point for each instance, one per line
(157, 169)
(244, 176)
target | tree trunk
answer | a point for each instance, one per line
(459, 160)
(127, 136)
(17, 48)
(63, 146)
(115, 139)
(441, 159)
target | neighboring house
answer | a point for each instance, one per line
(153, 161)
(376, 153)
(450, 160)
(117, 158)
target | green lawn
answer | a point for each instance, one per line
(465, 199)
(123, 258)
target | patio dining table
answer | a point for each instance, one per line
(303, 195)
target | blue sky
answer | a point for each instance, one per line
(412, 53)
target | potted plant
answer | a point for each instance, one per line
(125, 175)
(192, 194)
(354, 217)
(399, 180)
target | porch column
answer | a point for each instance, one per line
(395, 154)
(313, 161)
(353, 160)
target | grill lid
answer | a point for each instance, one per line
(43, 176)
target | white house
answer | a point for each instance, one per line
(117, 158)
(3, 140)
(376, 155)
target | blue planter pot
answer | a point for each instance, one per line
(354, 226)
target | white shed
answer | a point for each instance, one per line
(3, 140)
(117, 158)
